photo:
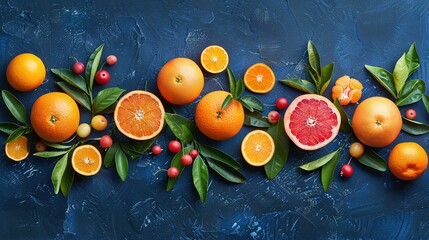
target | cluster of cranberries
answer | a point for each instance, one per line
(102, 76)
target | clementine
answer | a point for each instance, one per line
(25, 72)
(408, 160)
(180, 81)
(215, 122)
(347, 90)
(55, 116)
(377, 122)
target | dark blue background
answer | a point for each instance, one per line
(145, 35)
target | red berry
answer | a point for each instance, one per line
(186, 160)
(273, 117)
(111, 60)
(102, 77)
(156, 149)
(106, 141)
(78, 67)
(194, 153)
(282, 103)
(410, 114)
(174, 146)
(173, 172)
(346, 170)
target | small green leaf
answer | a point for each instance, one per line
(109, 157)
(227, 101)
(58, 172)
(425, 99)
(8, 127)
(371, 159)
(16, 134)
(92, 66)
(327, 72)
(400, 73)
(384, 77)
(255, 119)
(49, 154)
(239, 89)
(413, 60)
(78, 95)
(313, 76)
(313, 57)
(175, 162)
(300, 84)
(413, 127)
(232, 81)
(227, 172)
(71, 78)
(345, 121)
(182, 128)
(200, 176)
(58, 146)
(252, 103)
(67, 179)
(105, 98)
(121, 163)
(135, 148)
(216, 154)
(15, 106)
(328, 171)
(412, 92)
(318, 162)
(281, 153)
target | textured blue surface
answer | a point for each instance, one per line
(146, 34)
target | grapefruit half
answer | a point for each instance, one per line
(312, 121)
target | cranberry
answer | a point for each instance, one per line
(273, 117)
(174, 146)
(186, 160)
(282, 103)
(102, 77)
(156, 149)
(111, 60)
(194, 153)
(78, 67)
(173, 172)
(346, 170)
(410, 114)
(106, 141)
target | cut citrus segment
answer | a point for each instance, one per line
(257, 148)
(312, 121)
(86, 160)
(347, 90)
(214, 59)
(259, 78)
(139, 115)
(17, 150)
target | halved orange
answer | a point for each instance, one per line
(17, 150)
(259, 78)
(214, 59)
(139, 115)
(86, 160)
(257, 148)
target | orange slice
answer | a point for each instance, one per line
(86, 160)
(259, 78)
(17, 150)
(214, 59)
(347, 90)
(139, 115)
(257, 148)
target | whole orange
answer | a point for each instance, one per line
(377, 122)
(408, 160)
(55, 117)
(25, 72)
(215, 122)
(180, 81)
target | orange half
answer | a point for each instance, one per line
(259, 78)
(214, 59)
(257, 148)
(86, 160)
(17, 150)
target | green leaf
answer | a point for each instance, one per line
(345, 121)
(327, 72)
(413, 127)
(200, 176)
(105, 98)
(136, 148)
(371, 159)
(8, 127)
(71, 78)
(412, 92)
(227, 172)
(255, 119)
(232, 81)
(239, 89)
(183, 128)
(300, 84)
(400, 73)
(16, 134)
(251, 103)
(175, 162)
(328, 171)
(92, 66)
(49, 154)
(281, 153)
(425, 99)
(413, 60)
(216, 154)
(313, 57)
(78, 95)
(109, 157)
(15, 106)
(58, 146)
(67, 179)
(384, 77)
(313, 76)
(58, 172)
(227, 101)
(121, 163)
(318, 162)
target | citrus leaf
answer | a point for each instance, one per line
(57, 146)
(313, 57)
(227, 101)
(412, 92)
(232, 81)
(413, 127)
(67, 179)
(400, 73)
(121, 163)
(105, 98)
(16, 134)
(328, 171)
(371, 159)
(216, 154)
(345, 121)
(413, 60)
(71, 78)
(383, 77)
(183, 128)
(8, 127)
(15, 106)
(49, 154)
(136, 148)
(318, 162)
(109, 157)
(175, 162)
(255, 119)
(58, 172)
(281, 153)
(78, 95)
(327, 72)
(313, 76)
(239, 89)
(251, 103)
(227, 172)
(300, 84)
(425, 99)
(92, 65)
(200, 177)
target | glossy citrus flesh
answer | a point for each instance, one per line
(259, 78)
(139, 115)
(214, 59)
(25, 72)
(180, 81)
(377, 122)
(86, 160)
(347, 90)
(55, 116)
(17, 150)
(408, 160)
(257, 148)
(312, 121)
(215, 122)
